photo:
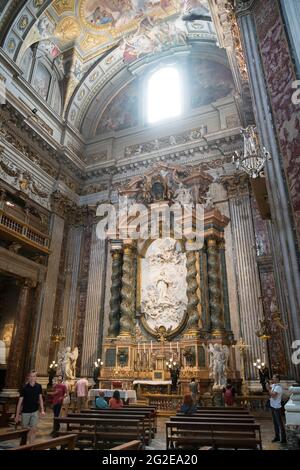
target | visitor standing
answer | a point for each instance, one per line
(60, 393)
(29, 404)
(81, 390)
(275, 392)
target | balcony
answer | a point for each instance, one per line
(14, 229)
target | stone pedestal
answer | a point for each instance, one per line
(292, 413)
(217, 397)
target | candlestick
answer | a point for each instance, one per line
(170, 347)
(177, 347)
(151, 346)
(138, 347)
(144, 347)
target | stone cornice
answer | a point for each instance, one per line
(20, 266)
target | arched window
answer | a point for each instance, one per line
(164, 94)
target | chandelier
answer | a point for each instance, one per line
(57, 334)
(254, 157)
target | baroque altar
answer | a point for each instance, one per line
(169, 300)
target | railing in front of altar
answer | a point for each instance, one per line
(164, 403)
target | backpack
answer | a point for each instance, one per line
(228, 396)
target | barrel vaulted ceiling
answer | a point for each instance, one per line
(93, 43)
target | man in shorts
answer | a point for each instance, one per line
(30, 401)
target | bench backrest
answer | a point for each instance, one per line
(212, 419)
(68, 441)
(200, 425)
(132, 445)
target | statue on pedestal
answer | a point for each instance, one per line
(67, 363)
(219, 355)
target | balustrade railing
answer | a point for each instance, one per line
(23, 231)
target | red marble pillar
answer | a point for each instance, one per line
(16, 358)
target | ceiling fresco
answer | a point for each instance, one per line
(95, 26)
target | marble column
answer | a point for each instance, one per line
(128, 291)
(246, 269)
(214, 288)
(49, 296)
(192, 286)
(227, 322)
(278, 196)
(115, 290)
(70, 289)
(15, 366)
(91, 335)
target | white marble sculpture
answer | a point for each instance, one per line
(67, 363)
(163, 293)
(218, 358)
(183, 195)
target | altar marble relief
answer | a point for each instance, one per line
(163, 284)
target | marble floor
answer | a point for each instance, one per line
(159, 442)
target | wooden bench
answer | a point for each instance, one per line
(134, 409)
(132, 445)
(212, 419)
(146, 426)
(101, 429)
(14, 435)
(224, 410)
(217, 435)
(65, 443)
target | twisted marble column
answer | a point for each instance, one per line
(115, 298)
(191, 279)
(127, 292)
(214, 288)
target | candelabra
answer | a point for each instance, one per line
(242, 346)
(96, 375)
(51, 373)
(57, 334)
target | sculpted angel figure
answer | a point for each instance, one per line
(218, 358)
(69, 359)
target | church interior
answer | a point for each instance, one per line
(150, 224)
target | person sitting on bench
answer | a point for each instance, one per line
(115, 402)
(188, 407)
(101, 403)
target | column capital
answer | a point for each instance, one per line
(116, 246)
(236, 185)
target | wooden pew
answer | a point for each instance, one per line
(216, 434)
(223, 410)
(65, 443)
(103, 429)
(132, 445)
(144, 421)
(14, 435)
(212, 419)
(131, 410)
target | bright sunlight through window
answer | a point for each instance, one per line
(164, 97)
